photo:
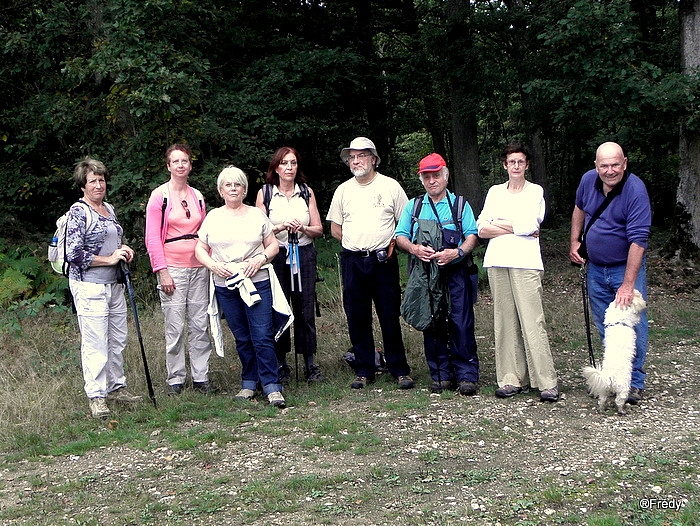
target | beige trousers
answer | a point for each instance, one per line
(522, 348)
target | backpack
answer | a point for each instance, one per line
(304, 192)
(57, 248)
(457, 210)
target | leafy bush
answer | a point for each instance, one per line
(27, 285)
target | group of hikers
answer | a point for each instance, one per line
(256, 265)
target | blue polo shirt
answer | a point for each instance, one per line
(626, 220)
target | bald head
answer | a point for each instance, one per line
(611, 163)
(609, 149)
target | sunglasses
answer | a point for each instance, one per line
(187, 210)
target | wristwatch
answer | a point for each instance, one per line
(460, 252)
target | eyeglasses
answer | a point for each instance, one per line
(517, 162)
(359, 157)
(290, 163)
(606, 167)
(187, 210)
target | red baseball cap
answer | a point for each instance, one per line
(432, 163)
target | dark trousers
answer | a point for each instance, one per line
(303, 303)
(366, 281)
(450, 351)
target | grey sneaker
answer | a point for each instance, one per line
(98, 407)
(275, 398)
(245, 394)
(549, 395)
(508, 390)
(123, 396)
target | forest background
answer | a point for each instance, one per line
(120, 80)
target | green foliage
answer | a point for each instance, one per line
(120, 80)
(26, 286)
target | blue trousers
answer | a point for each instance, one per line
(450, 351)
(603, 283)
(367, 281)
(252, 330)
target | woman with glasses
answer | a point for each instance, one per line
(174, 213)
(511, 220)
(236, 243)
(291, 206)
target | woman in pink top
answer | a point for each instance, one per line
(174, 213)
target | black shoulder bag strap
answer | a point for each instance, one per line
(608, 198)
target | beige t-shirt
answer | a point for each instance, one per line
(235, 238)
(283, 209)
(367, 212)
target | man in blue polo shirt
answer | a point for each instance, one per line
(616, 244)
(437, 248)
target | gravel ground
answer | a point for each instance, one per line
(385, 456)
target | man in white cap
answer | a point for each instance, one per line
(363, 216)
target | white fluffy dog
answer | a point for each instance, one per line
(614, 377)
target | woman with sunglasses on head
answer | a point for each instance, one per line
(174, 213)
(291, 206)
(511, 220)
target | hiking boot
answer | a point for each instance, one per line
(439, 387)
(508, 390)
(405, 382)
(175, 389)
(98, 407)
(549, 395)
(275, 398)
(635, 395)
(467, 388)
(245, 394)
(123, 396)
(313, 374)
(206, 388)
(285, 374)
(360, 382)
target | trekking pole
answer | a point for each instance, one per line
(586, 313)
(132, 300)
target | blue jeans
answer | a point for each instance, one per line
(252, 330)
(603, 283)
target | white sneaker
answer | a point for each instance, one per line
(98, 408)
(276, 399)
(245, 394)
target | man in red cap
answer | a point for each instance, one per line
(438, 230)
(363, 215)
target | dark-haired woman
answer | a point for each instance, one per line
(291, 206)
(511, 220)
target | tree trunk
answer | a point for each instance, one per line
(688, 196)
(466, 176)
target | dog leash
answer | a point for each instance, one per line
(586, 312)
